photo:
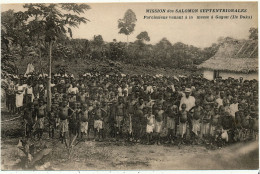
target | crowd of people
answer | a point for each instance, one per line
(136, 108)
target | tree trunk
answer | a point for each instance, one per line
(40, 57)
(49, 79)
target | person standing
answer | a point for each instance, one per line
(189, 101)
(19, 96)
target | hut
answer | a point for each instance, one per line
(233, 59)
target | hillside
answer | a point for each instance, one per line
(80, 66)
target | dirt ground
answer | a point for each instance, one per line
(91, 155)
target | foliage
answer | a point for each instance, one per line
(51, 22)
(98, 41)
(253, 33)
(28, 33)
(143, 36)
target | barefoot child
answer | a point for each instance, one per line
(64, 113)
(205, 126)
(52, 121)
(172, 115)
(130, 109)
(159, 123)
(238, 122)
(29, 116)
(197, 114)
(120, 115)
(84, 122)
(91, 115)
(214, 124)
(136, 120)
(98, 122)
(150, 125)
(245, 120)
(41, 114)
(183, 122)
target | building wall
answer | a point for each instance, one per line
(208, 74)
(245, 76)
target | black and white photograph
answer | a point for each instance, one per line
(129, 86)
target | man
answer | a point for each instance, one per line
(233, 107)
(188, 100)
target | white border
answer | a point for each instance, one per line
(136, 171)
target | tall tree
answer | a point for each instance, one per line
(54, 20)
(127, 24)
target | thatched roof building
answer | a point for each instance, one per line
(235, 59)
(244, 65)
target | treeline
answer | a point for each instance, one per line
(162, 54)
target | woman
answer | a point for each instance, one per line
(19, 96)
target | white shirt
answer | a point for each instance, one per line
(190, 102)
(74, 90)
(120, 91)
(233, 109)
(220, 102)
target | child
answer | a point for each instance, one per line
(214, 124)
(111, 118)
(105, 111)
(41, 114)
(255, 125)
(79, 113)
(183, 122)
(84, 122)
(158, 123)
(227, 123)
(246, 124)
(29, 116)
(64, 113)
(130, 109)
(143, 123)
(98, 122)
(238, 122)
(150, 125)
(91, 115)
(83, 96)
(120, 115)
(72, 120)
(205, 126)
(197, 115)
(136, 120)
(52, 121)
(172, 115)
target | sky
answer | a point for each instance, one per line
(197, 32)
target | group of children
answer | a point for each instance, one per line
(137, 108)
